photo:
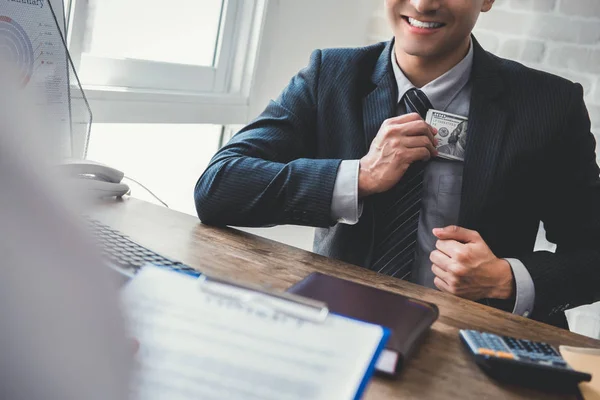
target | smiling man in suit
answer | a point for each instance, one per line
(345, 149)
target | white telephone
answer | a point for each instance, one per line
(96, 179)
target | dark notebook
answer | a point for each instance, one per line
(409, 319)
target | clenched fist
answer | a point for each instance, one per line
(465, 266)
(400, 142)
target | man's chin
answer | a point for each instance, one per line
(420, 51)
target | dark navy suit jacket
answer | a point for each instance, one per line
(530, 158)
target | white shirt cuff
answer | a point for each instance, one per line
(345, 207)
(525, 296)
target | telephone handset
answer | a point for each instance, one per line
(95, 178)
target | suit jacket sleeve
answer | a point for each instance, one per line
(268, 174)
(571, 216)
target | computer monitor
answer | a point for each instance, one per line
(32, 42)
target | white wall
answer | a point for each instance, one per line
(293, 29)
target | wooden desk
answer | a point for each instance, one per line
(441, 369)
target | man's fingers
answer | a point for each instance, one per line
(411, 128)
(440, 284)
(402, 119)
(416, 128)
(444, 275)
(457, 233)
(451, 248)
(440, 259)
(419, 141)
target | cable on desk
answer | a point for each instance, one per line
(148, 190)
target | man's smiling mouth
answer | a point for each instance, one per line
(423, 24)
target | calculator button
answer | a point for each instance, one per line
(503, 354)
(486, 352)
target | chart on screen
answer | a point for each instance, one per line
(32, 49)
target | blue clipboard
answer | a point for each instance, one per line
(371, 369)
(318, 312)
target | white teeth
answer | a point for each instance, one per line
(420, 24)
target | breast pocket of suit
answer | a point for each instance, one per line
(448, 199)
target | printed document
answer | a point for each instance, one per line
(196, 344)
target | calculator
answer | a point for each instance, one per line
(522, 362)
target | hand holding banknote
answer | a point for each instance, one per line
(400, 142)
(452, 134)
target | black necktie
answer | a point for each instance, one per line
(397, 210)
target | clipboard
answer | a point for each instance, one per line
(287, 303)
(296, 306)
(311, 331)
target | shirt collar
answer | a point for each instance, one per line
(442, 90)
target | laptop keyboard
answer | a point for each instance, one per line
(129, 256)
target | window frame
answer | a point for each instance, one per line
(186, 94)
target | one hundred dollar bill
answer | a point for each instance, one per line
(452, 134)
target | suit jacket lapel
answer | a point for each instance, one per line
(487, 119)
(380, 103)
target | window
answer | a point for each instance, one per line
(163, 79)
(146, 57)
(67, 10)
(147, 45)
(112, 34)
(166, 158)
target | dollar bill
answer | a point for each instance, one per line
(452, 134)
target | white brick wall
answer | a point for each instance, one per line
(558, 36)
